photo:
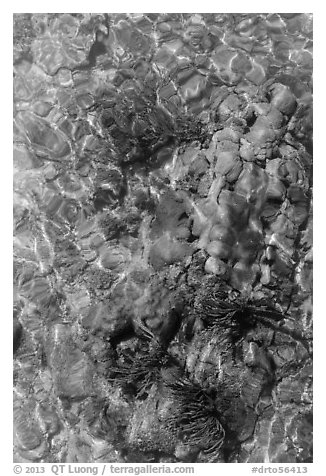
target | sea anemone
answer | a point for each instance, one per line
(234, 319)
(136, 373)
(195, 419)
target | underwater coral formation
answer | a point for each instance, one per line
(163, 238)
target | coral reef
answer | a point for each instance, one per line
(163, 238)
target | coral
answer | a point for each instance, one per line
(163, 245)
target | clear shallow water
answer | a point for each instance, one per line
(114, 127)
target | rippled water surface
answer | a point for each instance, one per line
(162, 237)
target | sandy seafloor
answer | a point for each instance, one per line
(163, 238)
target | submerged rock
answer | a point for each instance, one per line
(283, 99)
(167, 250)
